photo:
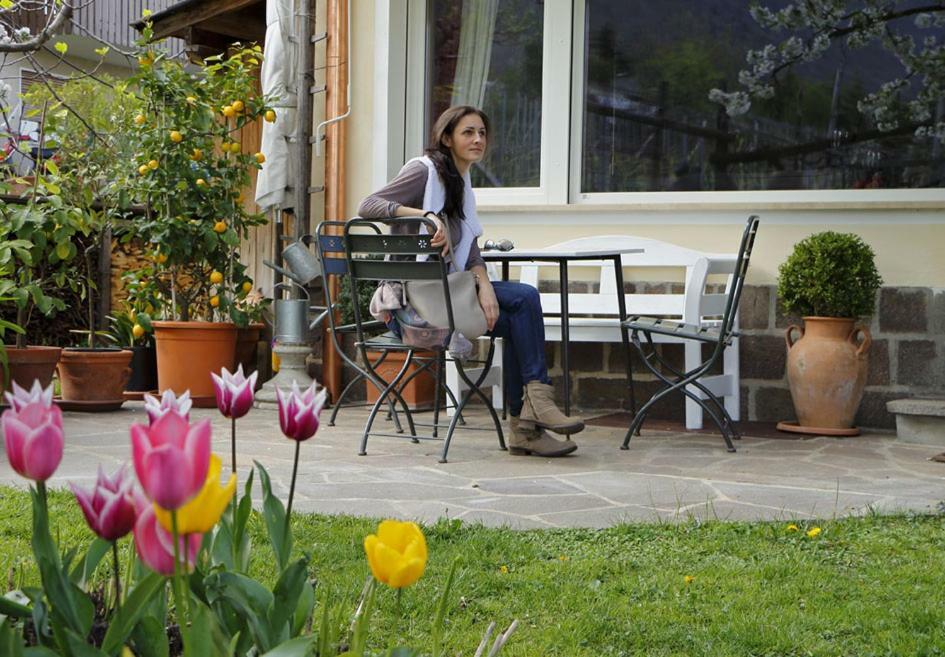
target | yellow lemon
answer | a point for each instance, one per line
(137, 330)
(215, 301)
(176, 136)
(260, 158)
(216, 277)
(271, 116)
(161, 258)
(237, 105)
(201, 182)
(247, 286)
(235, 148)
(219, 226)
(139, 120)
(143, 169)
(153, 164)
(228, 111)
(197, 155)
(191, 100)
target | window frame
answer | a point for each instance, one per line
(563, 113)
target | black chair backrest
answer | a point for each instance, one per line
(371, 256)
(331, 251)
(738, 277)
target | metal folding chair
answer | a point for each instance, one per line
(720, 335)
(364, 244)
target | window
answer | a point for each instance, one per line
(488, 53)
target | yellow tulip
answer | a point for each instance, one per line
(397, 554)
(203, 512)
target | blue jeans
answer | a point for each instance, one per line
(522, 325)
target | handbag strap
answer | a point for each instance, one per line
(448, 258)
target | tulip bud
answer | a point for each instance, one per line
(234, 392)
(171, 459)
(32, 432)
(298, 411)
(397, 554)
(169, 402)
(109, 507)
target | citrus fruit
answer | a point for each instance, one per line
(216, 277)
(215, 300)
(235, 148)
(153, 164)
(260, 158)
(237, 105)
(161, 258)
(176, 136)
(197, 155)
(201, 182)
(219, 226)
(247, 286)
(139, 120)
(137, 330)
(143, 169)
(271, 116)
(228, 111)
(191, 99)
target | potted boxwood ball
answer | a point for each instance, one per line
(830, 280)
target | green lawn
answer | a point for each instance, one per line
(866, 586)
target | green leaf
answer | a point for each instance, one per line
(6, 4)
(274, 515)
(61, 47)
(250, 599)
(136, 604)
(299, 647)
(39, 651)
(78, 647)
(11, 641)
(286, 594)
(52, 168)
(150, 638)
(57, 586)
(89, 561)
(303, 610)
(13, 608)
(101, 52)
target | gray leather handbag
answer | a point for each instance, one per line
(427, 298)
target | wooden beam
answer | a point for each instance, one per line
(243, 26)
(192, 14)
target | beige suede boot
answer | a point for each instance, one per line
(525, 439)
(540, 408)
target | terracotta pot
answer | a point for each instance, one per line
(143, 369)
(30, 364)
(94, 374)
(247, 343)
(419, 391)
(826, 370)
(187, 352)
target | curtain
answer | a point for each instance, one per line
(475, 52)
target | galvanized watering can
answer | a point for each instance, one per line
(291, 316)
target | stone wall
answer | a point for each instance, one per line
(907, 358)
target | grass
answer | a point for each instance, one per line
(864, 587)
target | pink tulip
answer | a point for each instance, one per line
(155, 544)
(109, 507)
(298, 411)
(234, 392)
(20, 397)
(32, 431)
(155, 408)
(171, 458)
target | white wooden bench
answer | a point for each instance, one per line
(595, 318)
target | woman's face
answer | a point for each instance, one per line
(467, 142)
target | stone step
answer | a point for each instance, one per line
(919, 420)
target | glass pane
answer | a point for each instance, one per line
(649, 124)
(487, 53)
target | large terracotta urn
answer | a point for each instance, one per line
(187, 352)
(826, 369)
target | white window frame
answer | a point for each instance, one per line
(562, 114)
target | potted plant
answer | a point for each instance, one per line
(830, 279)
(256, 307)
(419, 391)
(133, 332)
(190, 172)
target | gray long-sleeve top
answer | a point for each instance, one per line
(406, 189)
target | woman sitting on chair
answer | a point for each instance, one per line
(437, 186)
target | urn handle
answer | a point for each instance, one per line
(790, 331)
(864, 346)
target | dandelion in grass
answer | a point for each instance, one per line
(689, 579)
(504, 570)
(813, 532)
(564, 557)
(791, 528)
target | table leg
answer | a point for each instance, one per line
(565, 335)
(622, 309)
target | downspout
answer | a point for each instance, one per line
(338, 61)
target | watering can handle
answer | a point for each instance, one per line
(290, 285)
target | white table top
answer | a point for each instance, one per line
(538, 254)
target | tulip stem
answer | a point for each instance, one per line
(288, 511)
(178, 591)
(116, 565)
(41, 489)
(233, 441)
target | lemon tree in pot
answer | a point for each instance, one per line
(830, 279)
(190, 172)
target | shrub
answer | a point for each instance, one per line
(829, 275)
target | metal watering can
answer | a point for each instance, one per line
(291, 316)
(301, 265)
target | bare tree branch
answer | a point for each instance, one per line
(52, 28)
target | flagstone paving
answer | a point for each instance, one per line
(664, 477)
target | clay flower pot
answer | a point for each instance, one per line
(826, 369)
(419, 391)
(94, 375)
(247, 344)
(29, 364)
(187, 352)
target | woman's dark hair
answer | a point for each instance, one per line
(443, 158)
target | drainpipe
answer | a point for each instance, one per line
(337, 106)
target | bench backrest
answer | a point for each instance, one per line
(691, 306)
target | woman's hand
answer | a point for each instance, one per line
(439, 237)
(488, 302)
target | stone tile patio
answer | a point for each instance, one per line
(664, 477)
